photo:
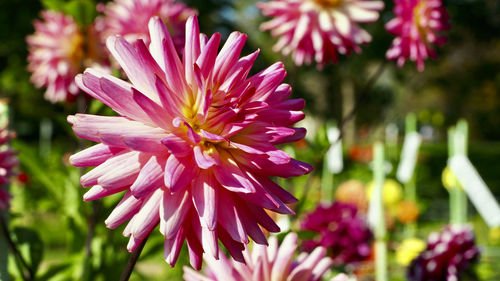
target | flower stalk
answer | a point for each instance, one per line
(134, 257)
(457, 144)
(380, 227)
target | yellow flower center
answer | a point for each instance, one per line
(328, 3)
(417, 14)
(74, 49)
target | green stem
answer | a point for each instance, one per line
(4, 274)
(134, 257)
(381, 260)
(25, 270)
(380, 228)
(326, 183)
(411, 195)
(457, 144)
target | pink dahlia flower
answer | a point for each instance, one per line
(450, 252)
(416, 25)
(268, 263)
(8, 160)
(319, 29)
(194, 145)
(55, 55)
(342, 230)
(129, 18)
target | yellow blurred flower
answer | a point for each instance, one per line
(392, 192)
(495, 234)
(407, 211)
(352, 192)
(409, 249)
(449, 180)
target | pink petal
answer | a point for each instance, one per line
(150, 177)
(173, 247)
(138, 71)
(98, 192)
(176, 145)
(230, 175)
(206, 60)
(229, 218)
(148, 216)
(191, 48)
(112, 164)
(228, 55)
(285, 255)
(173, 210)
(163, 51)
(126, 209)
(94, 155)
(205, 197)
(179, 172)
(113, 92)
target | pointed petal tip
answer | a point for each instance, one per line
(71, 119)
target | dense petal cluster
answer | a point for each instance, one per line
(194, 145)
(129, 18)
(416, 25)
(268, 263)
(55, 55)
(449, 252)
(8, 160)
(319, 29)
(341, 230)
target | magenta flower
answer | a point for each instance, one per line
(417, 25)
(8, 160)
(341, 230)
(194, 146)
(55, 55)
(129, 18)
(319, 29)
(449, 253)
(271, 263)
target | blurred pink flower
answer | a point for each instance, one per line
(55, 55)
(129, 18)
(268, 263)
(341, 229)
(8, 160)
(319, 29)
(194, 146)
(416, 25)
(450, 252)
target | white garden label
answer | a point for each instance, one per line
(409, 156)
(334, 162)
(476, 189)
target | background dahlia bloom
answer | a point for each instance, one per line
(129, 18)
(448, 253)
(8, 160)
(194, 145)
(319, 29)
(341, 230)
(271, 263)
(416, 25)
(55, 55)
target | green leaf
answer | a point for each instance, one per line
(56, 5)
(54, 271)
(30, 245)
(83, 11)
